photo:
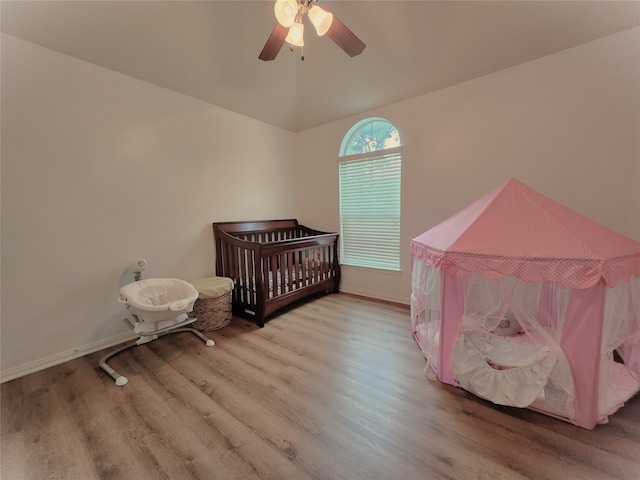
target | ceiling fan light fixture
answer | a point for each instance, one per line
(321, 19)
(286, 11)
(289, 28)
(295, 36)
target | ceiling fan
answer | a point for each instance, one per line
(290, 28)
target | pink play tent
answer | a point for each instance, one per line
(526, 303)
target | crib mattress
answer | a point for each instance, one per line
(292, 280)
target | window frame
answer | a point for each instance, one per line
(356, 255)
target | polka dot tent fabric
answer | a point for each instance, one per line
(516, 231)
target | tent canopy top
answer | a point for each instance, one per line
(515, 231)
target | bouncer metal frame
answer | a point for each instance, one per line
(146, 337)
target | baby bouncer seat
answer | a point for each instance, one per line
(158, 306)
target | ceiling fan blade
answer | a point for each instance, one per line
(274, 43)
(345, 38)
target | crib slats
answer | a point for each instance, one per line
(249, 262)
(274, 263)
(297, 269)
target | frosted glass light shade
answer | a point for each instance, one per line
(286, 11)
(296, 35)
(321, 19)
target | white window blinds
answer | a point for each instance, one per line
(370, 209)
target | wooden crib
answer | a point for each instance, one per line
(274, 263)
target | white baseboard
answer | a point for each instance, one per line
(404, 300)
(58, 358)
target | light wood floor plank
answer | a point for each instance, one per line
(331, 388)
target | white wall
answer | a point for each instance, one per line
(567, 125)
(99, 169)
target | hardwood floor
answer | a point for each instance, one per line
(332, 389)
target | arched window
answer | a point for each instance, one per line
(369, 180)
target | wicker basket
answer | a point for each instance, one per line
(212, 313)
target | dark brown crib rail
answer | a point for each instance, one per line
(274, 263)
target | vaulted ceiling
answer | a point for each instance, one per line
(209, 49)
